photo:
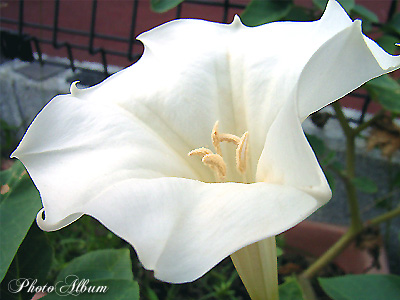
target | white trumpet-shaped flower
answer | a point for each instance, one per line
(233, 97)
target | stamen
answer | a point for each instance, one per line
(216, 162)
(215, 139)
(231, 138)
(200, 151)
(241, 153)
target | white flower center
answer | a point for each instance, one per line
(216, 161)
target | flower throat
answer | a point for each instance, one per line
(215, 161)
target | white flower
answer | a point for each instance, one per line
(118, 151)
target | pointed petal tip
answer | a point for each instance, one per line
(237, 22)
(13, 155)
(45, 225)
(74, 90)
(334, 11)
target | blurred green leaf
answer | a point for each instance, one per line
(329, 158)
(317, 144)
(387, 42)
(337, 166)
(331, 179)
(260, 12)
(394, 24)
(109, 268)
(365, 185)
(161, 6)
(279, 251)
(151, 295)
(100, 264)
(364, 13)
(386, 91)
(33, 260)
(290, 290)
(8, 135)
(19, 205)
(362, 287)
(299, 13)
(348, 5)
(117, 289)
(396, 180)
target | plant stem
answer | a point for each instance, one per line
(356, 225)
(368, 123)
(350, 134)
(385, 217)
(344, 241)
(331, 254)
(342, 119)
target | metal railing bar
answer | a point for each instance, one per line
(21, 17)
(178, 11)
(86, 48)
(364, 109)
(92, 26)
(132, 37)
(55, 33)
(226, 10)
(70, 31)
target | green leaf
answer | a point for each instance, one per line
(279, 251)
(331, 179)
(388, 43)
(161, 6)
(151, 295)
(365, 185)
(362, 287)
(329, 158)
(394, 24)
(365, 14)
(348, 5)
(117, 289)
(100, 264)
(396, 180)
(260, 12)
(19, 205)
(109, 268)
(33, 260)
(299, 13)
(386, 91)
(290, 290)
(317, 144)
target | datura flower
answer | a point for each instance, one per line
(197, 150)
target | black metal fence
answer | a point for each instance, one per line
(17, 42)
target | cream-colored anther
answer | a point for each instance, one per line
(216, 139)
(241, 153)
(216, 163)
(231, 138)
(200, 152)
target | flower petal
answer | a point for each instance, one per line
(75, 149)
(341, 65)
(182, 228)
(288, 159)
